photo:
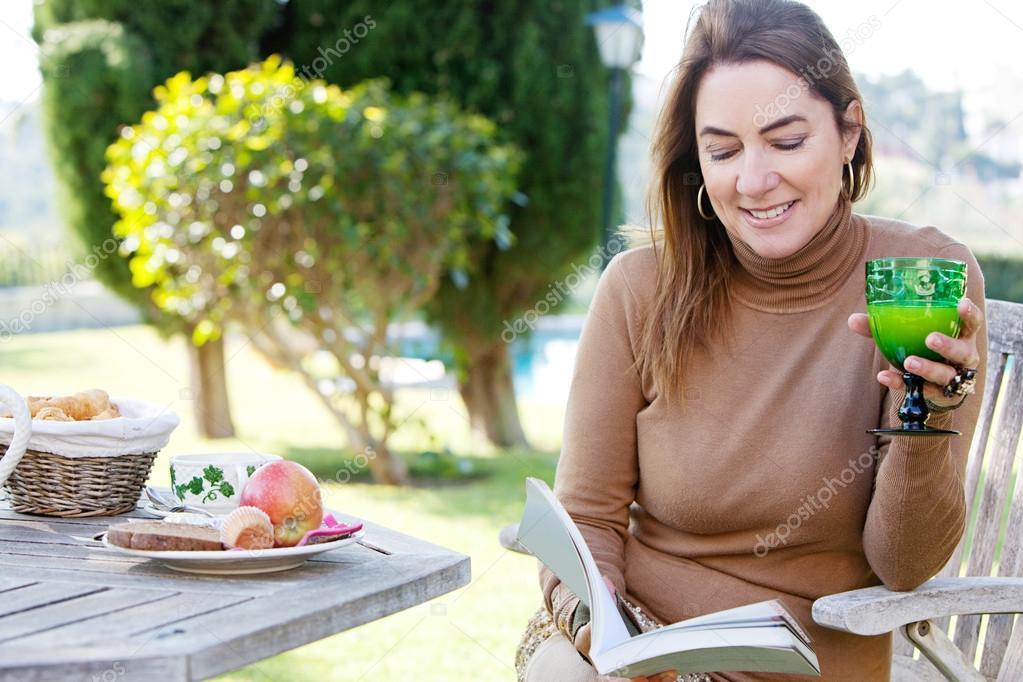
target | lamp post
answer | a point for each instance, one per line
(619, 34)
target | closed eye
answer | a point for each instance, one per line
(786, 146)
(790, 145)
(721, 156)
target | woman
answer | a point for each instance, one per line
(726, 377)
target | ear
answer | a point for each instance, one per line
(851, 138)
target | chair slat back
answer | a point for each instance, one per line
(996, 362)
(1012, 665)
(1009, 559)
(993, 489)
(993, 496)
(1003, 645)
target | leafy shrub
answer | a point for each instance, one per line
(315, 216)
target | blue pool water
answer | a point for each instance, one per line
(542, 362)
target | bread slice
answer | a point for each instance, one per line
(163, 536)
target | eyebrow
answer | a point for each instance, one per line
(781, 122)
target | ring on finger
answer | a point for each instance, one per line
(962, 384)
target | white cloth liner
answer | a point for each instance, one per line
(142, 428)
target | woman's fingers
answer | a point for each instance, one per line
(582, 639)
(962, 351)
(891, 378)
(860, 324)
(971, 316)
(610, 586)
(937, 373)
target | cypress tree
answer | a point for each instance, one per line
(533, 67)
(100, 60)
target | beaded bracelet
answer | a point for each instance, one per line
(935, 408)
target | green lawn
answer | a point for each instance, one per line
(468, 634)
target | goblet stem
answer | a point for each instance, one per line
(914, 412)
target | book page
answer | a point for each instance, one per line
(765, 648)
(759, 613)
(548, 538)
(549, 533)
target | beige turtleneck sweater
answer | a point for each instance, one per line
(764, 483)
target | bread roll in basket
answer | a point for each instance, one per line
(79, 468)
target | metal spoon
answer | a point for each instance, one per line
(157, 498)
(161, 503)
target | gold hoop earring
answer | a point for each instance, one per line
(699, 204)
(852, 181)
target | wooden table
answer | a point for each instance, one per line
(73, 609)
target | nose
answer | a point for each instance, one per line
(755, 177)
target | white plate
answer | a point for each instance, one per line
(238, 562)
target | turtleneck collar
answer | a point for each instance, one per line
(809, 277)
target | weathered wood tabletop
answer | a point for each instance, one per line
(73, 609)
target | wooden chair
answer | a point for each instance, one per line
(950, 616)
(990, 552)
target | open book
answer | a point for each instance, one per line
(761, 637)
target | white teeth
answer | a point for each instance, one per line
(774, 212)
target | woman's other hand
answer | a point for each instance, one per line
(666, 676)
(582, 636)
(960, 351)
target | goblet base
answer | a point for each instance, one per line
(913, 413)
(915, 432)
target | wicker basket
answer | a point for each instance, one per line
(79, 469)
(54, 485)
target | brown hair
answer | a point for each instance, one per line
(691, 304)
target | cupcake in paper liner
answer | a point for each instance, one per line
(247, 528)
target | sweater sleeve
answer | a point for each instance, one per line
(918, 511)
(597, 471)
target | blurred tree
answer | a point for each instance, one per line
(914, 120)
(531, 66)
(100, 60)
(909, 119)
(308, 214)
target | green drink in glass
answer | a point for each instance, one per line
(907, 299)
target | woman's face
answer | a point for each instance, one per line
(772, 162)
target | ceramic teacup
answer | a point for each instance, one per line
(214, 481)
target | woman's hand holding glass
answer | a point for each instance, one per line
(961, 351)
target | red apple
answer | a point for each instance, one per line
(290, 496)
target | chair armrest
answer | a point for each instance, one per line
(877, 610)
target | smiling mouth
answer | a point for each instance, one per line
(772, 212)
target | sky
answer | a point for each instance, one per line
(966, 44)
(19, 78)
(950, 43)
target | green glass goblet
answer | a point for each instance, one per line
(907, 299)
